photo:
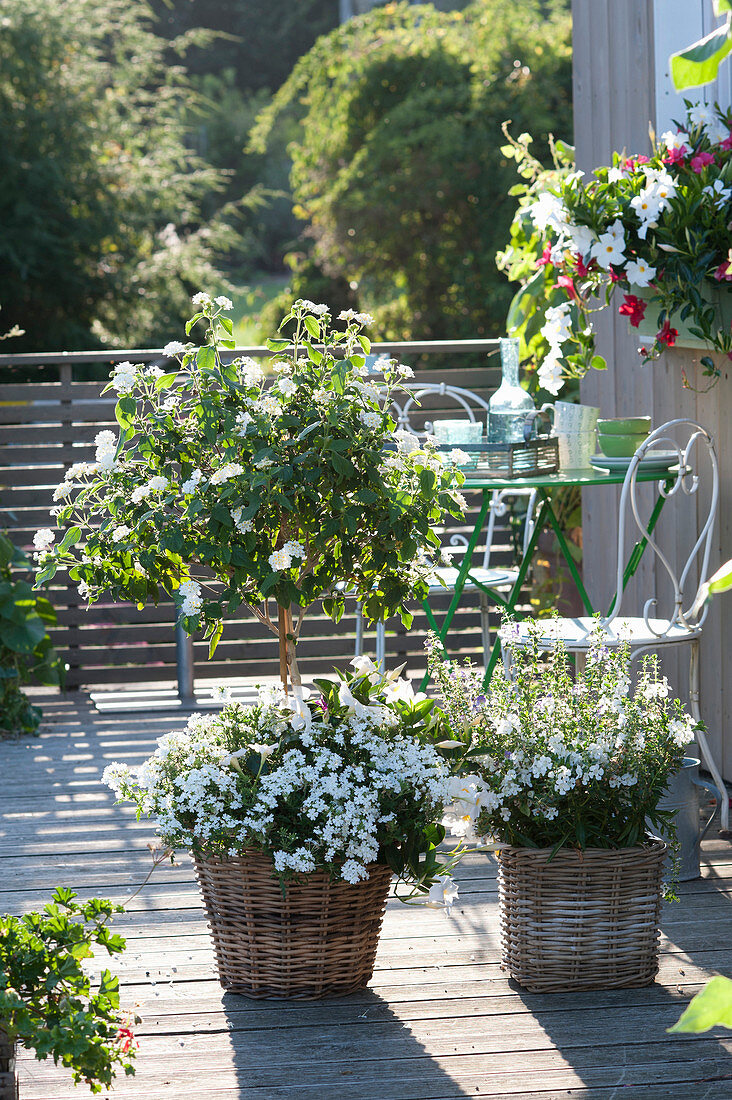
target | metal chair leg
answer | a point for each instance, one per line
(485, 626)
(701, 736)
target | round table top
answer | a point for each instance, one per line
(590, 476)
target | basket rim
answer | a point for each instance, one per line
(651, 846)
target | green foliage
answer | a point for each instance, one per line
(711, 1007)
(398, 169)
(26, 653)
(46, 999)
(258, 40)
(699, 63)
(103, 238)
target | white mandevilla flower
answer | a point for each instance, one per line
(443, 894)
(608, 250)
(639, 273)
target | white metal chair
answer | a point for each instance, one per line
(696, 454)
(412, 415)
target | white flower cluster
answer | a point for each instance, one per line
(106, 444)
(226, 472)
(156, 484)
(282, 559)
(124, 377)
(556, 331)
(191, 601)
(333, 793)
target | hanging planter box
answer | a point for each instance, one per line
(720, 298)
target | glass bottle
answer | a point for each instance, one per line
(510, 403)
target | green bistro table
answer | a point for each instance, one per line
(545, 484)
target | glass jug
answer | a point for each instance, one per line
(510, 404)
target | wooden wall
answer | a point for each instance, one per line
(621, 85)
(44, 427)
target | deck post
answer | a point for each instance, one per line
(185, 666)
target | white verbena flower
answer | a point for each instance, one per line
(174, 347)
(224, 302)
(120, 532)
(280, 560)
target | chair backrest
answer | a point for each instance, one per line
(411, 410)
(693, 448)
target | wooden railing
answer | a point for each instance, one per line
(47, 425)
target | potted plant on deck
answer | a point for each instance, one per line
(561, 774)
(225, 489)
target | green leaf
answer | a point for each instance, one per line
(125, 412)
(699, 63)
(276, 345)
(598, 363)
(71, 537)
(712, 1007)
(312, 326)
(166, 381)
(215, 639)
(194, 319)
(206, 358)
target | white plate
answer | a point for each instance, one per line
(655, 462)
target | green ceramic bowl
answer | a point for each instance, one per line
(625, 425)
(620, 446)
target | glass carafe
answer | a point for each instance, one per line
(509, 405)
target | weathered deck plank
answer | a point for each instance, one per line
(440, 1019)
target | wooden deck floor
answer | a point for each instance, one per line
(440, 1019)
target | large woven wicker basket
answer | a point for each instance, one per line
(582, 920)
(8, 1076)
(317, 938)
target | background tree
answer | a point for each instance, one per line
(398, 169)
(100, 200)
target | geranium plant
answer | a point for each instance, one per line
(47, 1000)
(555, 760)
(654, 230)
(334, 783)
(228, 486)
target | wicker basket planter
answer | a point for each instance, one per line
(8, 1076)
(584, 920)
(318, 939)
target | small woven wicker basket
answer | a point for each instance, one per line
(317, 939)
(584, 920)
(8, 1076)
